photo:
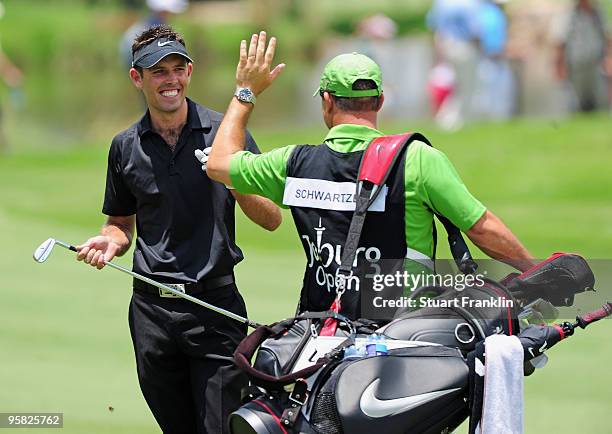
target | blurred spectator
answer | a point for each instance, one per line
(375, 34)
(13, 78)
(377, 27)
(455, 27)
(373, 31)
(532, 41)
(495, 95)
(160, 12)
(441, 85)
(584, 56)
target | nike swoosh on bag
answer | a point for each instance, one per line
(372, 406)
(161, 44)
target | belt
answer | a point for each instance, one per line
(190, 288)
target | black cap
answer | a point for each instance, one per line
(152, 53)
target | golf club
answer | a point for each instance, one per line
(44, 250)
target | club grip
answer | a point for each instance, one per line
(596, 315)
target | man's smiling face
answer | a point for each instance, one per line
(165, 84)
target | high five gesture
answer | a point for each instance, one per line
(254, 69)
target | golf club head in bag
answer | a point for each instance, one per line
(557, 279)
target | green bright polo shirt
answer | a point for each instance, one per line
(431, 182)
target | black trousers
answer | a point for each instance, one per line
(176, 342)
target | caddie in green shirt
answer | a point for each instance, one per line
(318, 182)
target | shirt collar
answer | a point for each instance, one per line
(198, 118)
(353, 132)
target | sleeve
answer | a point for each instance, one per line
(118, 199)
(444, 191)
(261, 174)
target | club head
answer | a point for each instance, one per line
(44, 250)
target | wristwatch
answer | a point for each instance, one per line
(245, 94)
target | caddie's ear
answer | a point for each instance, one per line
(328, 106)
(328, 102)
(381, 100)
(136, 78)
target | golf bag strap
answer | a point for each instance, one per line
(376, 165)
(381, 155)
(284, 325)
(249, 345)
(323, 315)
(458, 247)
(297, 399)
(331, 324)
(245, 351)
(367, 326)
(290, 415)
(366, 196)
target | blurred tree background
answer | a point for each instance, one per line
(77, 91)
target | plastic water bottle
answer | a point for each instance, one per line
(361, 350)
(351, 353)
(376, 345)
(371, 344)
(381, 346)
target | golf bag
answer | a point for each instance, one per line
(302, 383)
(422, 385)
(347, 397)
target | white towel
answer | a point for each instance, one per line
(502, 410)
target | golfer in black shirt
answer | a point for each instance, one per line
(185, 236)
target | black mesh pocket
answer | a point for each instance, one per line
(325, 418)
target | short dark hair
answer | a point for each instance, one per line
(361, 103)
(153, 33)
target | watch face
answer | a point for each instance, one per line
(245, 94)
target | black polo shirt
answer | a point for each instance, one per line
(184, 221)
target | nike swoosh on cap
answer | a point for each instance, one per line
(372, 406)
(161, 44)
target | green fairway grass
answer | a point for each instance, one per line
(64, 339)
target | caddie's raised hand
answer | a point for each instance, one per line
(254, 68)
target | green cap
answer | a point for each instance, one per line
(343, 70)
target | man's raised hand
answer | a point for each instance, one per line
(254, 68)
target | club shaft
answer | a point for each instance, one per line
(173, 291)
(66, 245)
